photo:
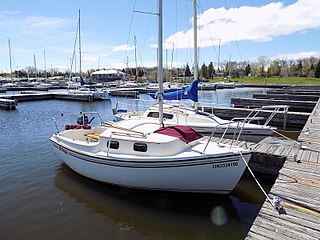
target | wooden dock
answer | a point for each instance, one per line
(296, 106)
(297, 186)
(124, 92)
(37, 96)
(8, 104)
(293, 119)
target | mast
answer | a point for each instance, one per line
(45, 63)
(195, 40)
(10, 56)
(80, 67)
(195, 46)
(35, 67)
(135, 55)
(160, 63)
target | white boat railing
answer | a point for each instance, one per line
(83, 115)
(236, 133)
(253, 115)
(134, 105)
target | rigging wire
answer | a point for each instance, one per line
(147, 30)
(146, 34)
(211, 38)
(235, 38)
(129, 34)
(74, 51)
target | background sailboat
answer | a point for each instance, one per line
(78, 85)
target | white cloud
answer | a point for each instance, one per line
(296, 56)
(122, 48)
(31, 24)
(250, 23)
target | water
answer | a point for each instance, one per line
(41, 198)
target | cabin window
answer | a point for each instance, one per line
(140, 147)
(153, 114)
(113, 144)
(156, 115)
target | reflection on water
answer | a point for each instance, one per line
(157, 214)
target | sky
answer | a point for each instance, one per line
(117, 34)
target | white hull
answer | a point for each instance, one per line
(218, 174)
(97, 95)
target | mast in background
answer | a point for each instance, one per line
(10, 55)
(80, 56)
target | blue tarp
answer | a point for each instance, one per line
(190, 92)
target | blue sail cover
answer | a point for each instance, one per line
(190, 92)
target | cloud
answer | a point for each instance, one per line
(250, 23)
(296, 56)
(122, 48)
(17, 23)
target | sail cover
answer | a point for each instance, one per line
(190, 92)
(184, 133)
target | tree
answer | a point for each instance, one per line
(274, 68)
(211, 70)
(299, 69)
(187, 72)
(262, 63)
(247, 69)
(317, 70)
(204, 71)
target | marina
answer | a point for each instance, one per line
(270, 159)
(136, 140)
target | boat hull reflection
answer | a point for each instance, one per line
(158, 214)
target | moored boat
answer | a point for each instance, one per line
(143, 154)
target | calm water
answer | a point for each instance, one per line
(41, 198)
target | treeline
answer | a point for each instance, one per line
(264, 67)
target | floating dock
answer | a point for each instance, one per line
(295, 105)
(125, 92)
(8, 104)
(36, 96)
(292, 119)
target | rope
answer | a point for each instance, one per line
(272, 202)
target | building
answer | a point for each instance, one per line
(107, 75)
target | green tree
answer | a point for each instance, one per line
(187, 72)
(247, 69)
(204, 71)
(211, 70)
(262, 63)
(299, 69)
(317, 70)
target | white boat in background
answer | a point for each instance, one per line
(223, 85)
(143, 154)
(97, 94)
(175, 113)
(203, 122)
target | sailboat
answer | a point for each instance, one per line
(80, 86)
(142, 154)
